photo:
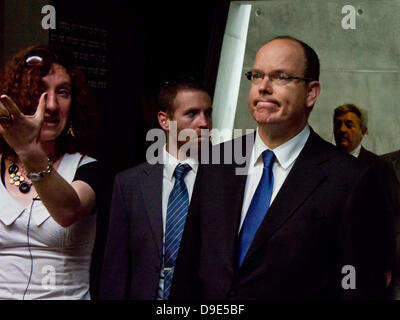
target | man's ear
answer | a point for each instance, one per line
(364, 131)
(163, 120)
(313, 90)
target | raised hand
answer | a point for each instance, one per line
(18, 130)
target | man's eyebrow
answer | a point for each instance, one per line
(191, 109)
(273, 71)
(280, 71)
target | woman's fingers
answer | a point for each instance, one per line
(5, 116)
(41, 107)
(11, 106)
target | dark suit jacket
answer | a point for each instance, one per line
(325, 216)
(393, 159)
(383, 168)
(133, 255)
(368, 157)
(385, 177)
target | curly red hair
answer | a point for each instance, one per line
(23, 84)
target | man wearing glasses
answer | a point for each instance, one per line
(303, 223)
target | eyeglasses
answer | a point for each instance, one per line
(278, 78)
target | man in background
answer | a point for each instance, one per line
(150, 202)
(349, 127)
(350, 124)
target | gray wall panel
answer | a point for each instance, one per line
(357, 66)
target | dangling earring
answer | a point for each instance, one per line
(70, 130)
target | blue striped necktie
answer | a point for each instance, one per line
(178, 205)
(258, 207)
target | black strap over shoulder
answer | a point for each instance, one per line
(3, 168)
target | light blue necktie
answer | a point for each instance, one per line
(258, 207)
(178, 205)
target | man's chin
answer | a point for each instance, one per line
(203, 139)
(343, 147)
(342, 144)
(197, 141)
(266, 118)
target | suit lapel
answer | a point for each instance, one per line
(234, 201)
(233, 196)
(363, 155)
(151, 186)
(366, 156)
(303, 179)
(396, 166)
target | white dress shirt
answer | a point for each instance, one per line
(285, 154)
(170, 163)
(356, 151)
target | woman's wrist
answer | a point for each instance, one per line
(33, 158)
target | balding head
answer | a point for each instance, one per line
(281, 97)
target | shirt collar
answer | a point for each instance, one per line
(10, 209)
(170, 163)
(356, 151)
(287, 152)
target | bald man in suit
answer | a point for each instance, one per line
(303, 222)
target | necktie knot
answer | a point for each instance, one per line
(181, 170)
(258, 207)
(268, 158)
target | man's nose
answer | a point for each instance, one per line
(203, 121)
(343, 127)
(265, 86)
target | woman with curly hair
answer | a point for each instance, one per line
(49, 185)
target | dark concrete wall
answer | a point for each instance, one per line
(22, 26)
